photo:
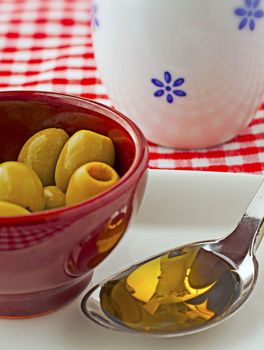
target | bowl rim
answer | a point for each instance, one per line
(135, 170)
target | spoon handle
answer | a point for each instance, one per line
(248, 234)
(255, 212)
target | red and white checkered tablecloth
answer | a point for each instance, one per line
(46, 45)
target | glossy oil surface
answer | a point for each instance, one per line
(177, 291)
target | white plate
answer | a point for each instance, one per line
(178, 207)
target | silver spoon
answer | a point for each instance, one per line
(186, 289)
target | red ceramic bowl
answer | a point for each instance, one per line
(47, 258)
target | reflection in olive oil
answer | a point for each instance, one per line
(180, 290)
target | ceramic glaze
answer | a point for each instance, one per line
(47, 258)
(189, 73)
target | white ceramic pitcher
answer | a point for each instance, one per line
(190, 73)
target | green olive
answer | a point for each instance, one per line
(42, 151)
(83, 147)
(89, 180)
(10, 209)
(54, 197)
(20, 185)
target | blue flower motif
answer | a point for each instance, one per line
(249, 14)
(94, 16)
(169, 87)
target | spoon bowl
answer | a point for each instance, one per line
(183, 290)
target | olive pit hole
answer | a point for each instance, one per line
(100, 173)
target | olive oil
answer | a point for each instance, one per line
(180, 290)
